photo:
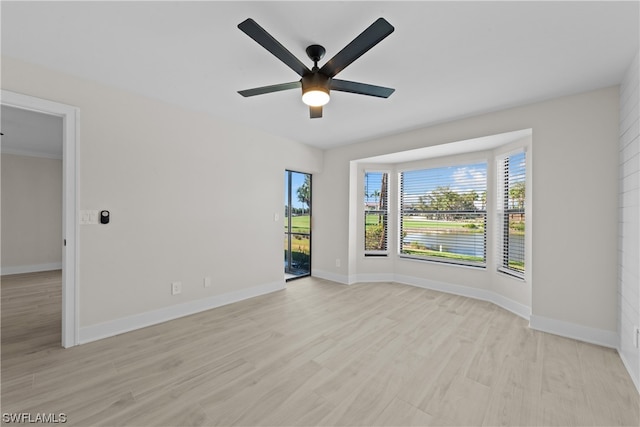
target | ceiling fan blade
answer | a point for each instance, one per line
(358, 47)
(315, 112)
(268, 89)
(264, 39)
(361, 88)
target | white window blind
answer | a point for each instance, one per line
(443, 214)
(511, 213)
(376, 213)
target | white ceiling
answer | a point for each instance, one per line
(446, 60)
(482, 143)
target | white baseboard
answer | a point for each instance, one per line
(326, 275)
(540, 323)
(515, 307)
(376, 277)
(20, 269)
(467, 291)
(574, 331)
(633, 373)
(557, 327)
(137, 321)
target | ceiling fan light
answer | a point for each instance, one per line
(315, 97)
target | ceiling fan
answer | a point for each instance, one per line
(316, 83)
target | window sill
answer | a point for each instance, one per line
(512, 274)
(376, 254)
(443, 262)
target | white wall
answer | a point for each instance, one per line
(190, 196)
(574, 261)
(629, 228)
(31, 214)
(182, 186)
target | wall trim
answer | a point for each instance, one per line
(544, 324)
(375, 277)
(20, 269)
(573, 330)
(630, 371)
(420, 282)
(142, 320)
(514, 307)
(326, 275)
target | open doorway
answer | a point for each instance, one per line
(30, 109)
(297, 225)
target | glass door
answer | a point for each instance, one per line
(297, 225)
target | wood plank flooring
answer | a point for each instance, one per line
(318, 353)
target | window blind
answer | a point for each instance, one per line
(443, 214)
(511, 212)
(376, 212)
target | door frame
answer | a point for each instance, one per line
(289, 196)
(70, 128)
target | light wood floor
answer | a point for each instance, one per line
(318, 353)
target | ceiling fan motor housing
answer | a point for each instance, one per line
(315, 81)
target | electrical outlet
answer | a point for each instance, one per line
(176, 288)
(337, 262)
(207, 282)
(636, 337)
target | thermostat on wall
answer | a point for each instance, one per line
(104, 217)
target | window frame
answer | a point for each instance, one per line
(385, 212)
(503, 213)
